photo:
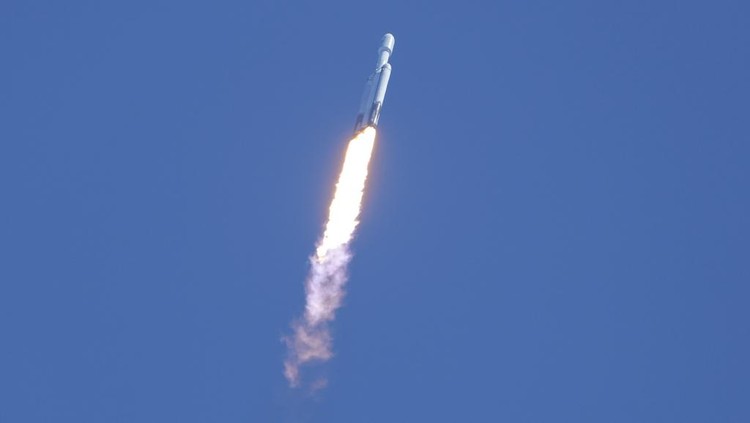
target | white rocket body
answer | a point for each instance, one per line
(377, 83)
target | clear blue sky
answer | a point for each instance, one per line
(556, 228)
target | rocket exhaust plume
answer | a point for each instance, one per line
(311, 338)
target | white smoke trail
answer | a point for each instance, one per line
(311, 338)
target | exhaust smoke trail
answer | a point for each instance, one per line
(324, 288)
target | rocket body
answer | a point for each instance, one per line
(377, 83)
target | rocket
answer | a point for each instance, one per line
(377, 83)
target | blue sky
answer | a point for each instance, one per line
(555, 228)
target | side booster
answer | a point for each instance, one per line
(377, 83)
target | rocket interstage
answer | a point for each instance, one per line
(311, 340)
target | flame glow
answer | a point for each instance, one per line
(324, 288)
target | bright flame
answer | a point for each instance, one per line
(347, 201)
(325, 284)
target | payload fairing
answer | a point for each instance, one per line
(377, 83)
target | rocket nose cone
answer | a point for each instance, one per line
(388, 41)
